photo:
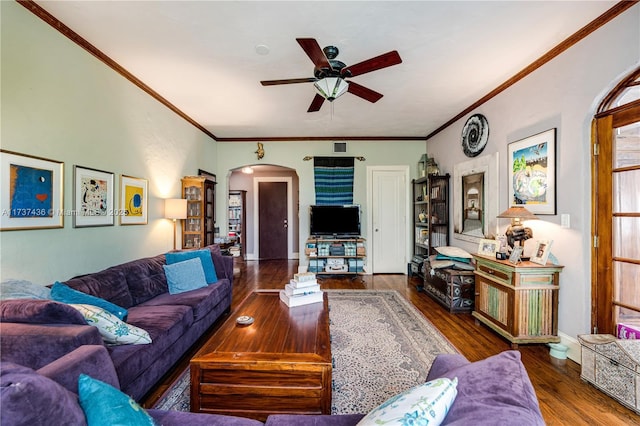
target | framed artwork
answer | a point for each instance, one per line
(93, 197)
(541, 252)
(133, 201)
(516, 254)
(474, 211)
(532, 173)
(488, 247)
(32, 192)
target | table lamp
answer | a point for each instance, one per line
(175, 208)
(517, 231)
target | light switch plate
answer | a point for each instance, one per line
(565, 220)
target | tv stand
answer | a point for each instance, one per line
(335, 255)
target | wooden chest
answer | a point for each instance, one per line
(452, 288)
(613, 366)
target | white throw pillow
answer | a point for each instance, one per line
(426, 404)
(453, 252)
(112, 329)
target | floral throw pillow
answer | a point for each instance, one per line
(112, 329)
(426, 404)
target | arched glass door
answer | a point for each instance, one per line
(616, 209)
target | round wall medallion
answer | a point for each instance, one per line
(475, 135)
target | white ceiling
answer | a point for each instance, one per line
(202, 57)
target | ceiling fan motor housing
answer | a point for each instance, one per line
(331, 52)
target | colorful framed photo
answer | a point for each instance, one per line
(488, 247)
(32, 192)
(532, 173)
(541, 252)
(133, 201)
(93, 197)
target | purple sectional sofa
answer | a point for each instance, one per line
(33, 333)
(493, 391)
(52, 391)
(46, 345)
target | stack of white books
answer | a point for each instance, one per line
(302, 289)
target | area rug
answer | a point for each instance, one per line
(380, 343)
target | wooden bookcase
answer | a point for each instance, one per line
(198, 228)
(238, 221)
(430, 218)
(519, 302)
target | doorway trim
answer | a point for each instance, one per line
(369, 214)
(256, 221)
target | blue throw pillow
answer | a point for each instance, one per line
(65, 294)
(185, 276)
(105, 405)
(204, 256)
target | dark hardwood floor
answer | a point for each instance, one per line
(564, 398)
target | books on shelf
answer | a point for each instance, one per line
(302, 289)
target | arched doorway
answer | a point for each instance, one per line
(616, 208)
(261, 207)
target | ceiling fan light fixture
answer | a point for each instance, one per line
(331, 88)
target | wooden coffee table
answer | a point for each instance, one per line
(280, 364)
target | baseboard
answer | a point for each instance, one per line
(575, 351)
(251, 256)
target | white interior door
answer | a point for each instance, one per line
(389, 198)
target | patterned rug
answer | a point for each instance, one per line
(380, 343)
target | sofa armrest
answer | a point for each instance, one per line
(92, 360)
(497, 387)
(444, 363)
(223, 264)
(228, 267)
(36, 345)
(38, 311)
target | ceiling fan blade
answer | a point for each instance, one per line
(288, 81)
(363, 92)
(385, 60)
(316, 103)
(314, 52)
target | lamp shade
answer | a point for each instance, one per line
(175, 208)
(517, 212)
(331, 87)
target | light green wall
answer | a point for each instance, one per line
(233, 155)
(59, 102)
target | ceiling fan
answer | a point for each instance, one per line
(330, 74)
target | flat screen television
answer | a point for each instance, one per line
(341, 220)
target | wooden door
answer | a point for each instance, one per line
(273, 222)
(616, 210)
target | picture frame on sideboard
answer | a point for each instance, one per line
(516, 255)
(541, 252)
(488, 247)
